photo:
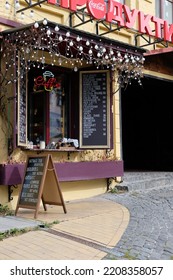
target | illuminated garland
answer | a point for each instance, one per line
(67, 48)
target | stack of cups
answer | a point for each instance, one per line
(42, 145)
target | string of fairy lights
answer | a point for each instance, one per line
(46, 41)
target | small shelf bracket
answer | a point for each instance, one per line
(10, 191)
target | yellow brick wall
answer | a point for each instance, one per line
(59, 15)
(70, 191)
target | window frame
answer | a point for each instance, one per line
(160, 9)
(74, 113)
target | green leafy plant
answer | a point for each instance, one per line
(48, 225)
(114, 190)
(119, 189)
(4, 210)
(15, 232)
(128, 256)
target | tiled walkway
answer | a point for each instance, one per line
(86, 232)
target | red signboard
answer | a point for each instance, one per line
(97, 8)
(115, 12)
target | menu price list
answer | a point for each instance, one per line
(22, 112)
(22, 118)
(94, 108)
(32, 180)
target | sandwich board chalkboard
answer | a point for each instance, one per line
(40, 182)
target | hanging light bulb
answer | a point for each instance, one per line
(75, 69)
(22, 15)
(31, 13)
(68, 34)
(36, 25)
(60, 38)
(56, 28)
(17, 5)
(78, 39)
(45, 21)
(7, 5)
(48, 32)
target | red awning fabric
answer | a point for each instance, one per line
(159, 51)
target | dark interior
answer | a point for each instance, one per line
(147, 125)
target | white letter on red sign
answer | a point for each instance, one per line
(97, 8)
(114, 13)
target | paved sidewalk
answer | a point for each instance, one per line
(149, 235)
(88, 231)
(13, 222)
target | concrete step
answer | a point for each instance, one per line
(143, 181)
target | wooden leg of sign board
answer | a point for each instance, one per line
(36, 213)
(64, 208)
(44, 205)
(52, 194)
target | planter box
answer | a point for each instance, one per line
(75, 171)
(12, 174)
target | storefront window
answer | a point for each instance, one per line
(56, 113)
(164, 10)
(56, 103)
(48, 104)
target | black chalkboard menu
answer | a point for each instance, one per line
(32, 181)
(95, 109)
(22, 108)
(40, 182)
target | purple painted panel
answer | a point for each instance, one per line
(71, 171)
(12, 174)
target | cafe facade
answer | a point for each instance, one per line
(62, 74)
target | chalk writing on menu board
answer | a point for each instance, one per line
(32, 181)
(94, 109)
(22, 116)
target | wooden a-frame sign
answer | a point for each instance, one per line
(40, 183)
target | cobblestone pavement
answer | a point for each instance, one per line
(149, 235)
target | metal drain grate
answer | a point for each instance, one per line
(80, 240)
